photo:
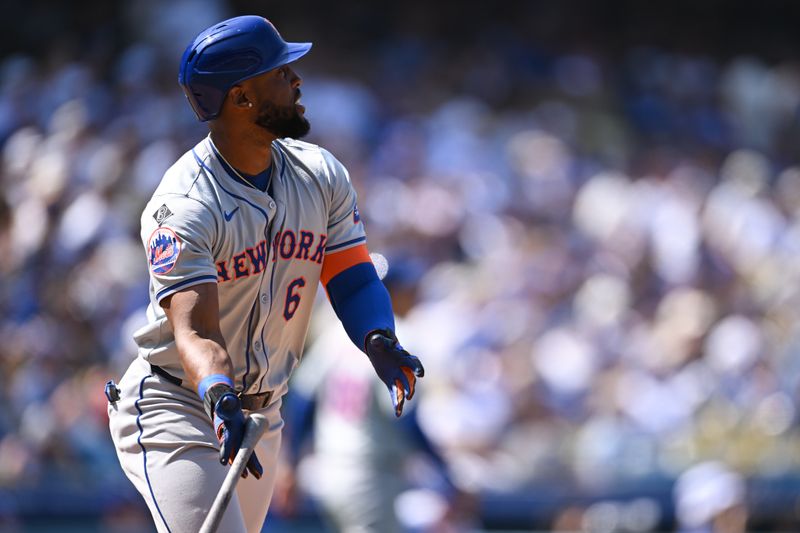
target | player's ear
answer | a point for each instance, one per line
(238, 97)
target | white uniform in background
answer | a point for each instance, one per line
(360, 449)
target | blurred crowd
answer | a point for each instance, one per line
(609, 289)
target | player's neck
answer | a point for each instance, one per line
(244, 151)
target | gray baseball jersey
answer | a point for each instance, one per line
(265, 252)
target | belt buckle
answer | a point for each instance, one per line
(254, 402)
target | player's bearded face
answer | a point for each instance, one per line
(282, 121)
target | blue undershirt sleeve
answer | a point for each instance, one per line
(361, 302)
(298, 412)
(410, 424)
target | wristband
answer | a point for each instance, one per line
(213, 379)
(213, 395)
(389, 334)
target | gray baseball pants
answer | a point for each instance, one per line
(166, 446)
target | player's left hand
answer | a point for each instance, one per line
(229, 424)
(397, 368)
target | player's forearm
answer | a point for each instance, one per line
(193, 314)
(361, 302)
(202, 356)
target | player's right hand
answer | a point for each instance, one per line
(229, 424)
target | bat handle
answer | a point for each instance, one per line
(256, 425)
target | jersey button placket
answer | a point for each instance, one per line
(264, 298)
(257, 346)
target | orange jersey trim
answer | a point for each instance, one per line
(338, 262)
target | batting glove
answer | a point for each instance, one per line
(397, 368)
(229, 424)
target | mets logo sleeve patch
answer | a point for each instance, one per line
(163, 249)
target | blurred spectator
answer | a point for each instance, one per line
(710, 498)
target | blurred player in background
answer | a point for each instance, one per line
(359, 467)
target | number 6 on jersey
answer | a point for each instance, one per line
(293, 298)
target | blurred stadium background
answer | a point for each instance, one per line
(603, 199)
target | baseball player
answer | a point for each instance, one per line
(237, 235)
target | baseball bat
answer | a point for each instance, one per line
(256, 425)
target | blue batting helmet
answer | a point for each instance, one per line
(228, 53)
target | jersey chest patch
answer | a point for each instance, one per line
(163, 247)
